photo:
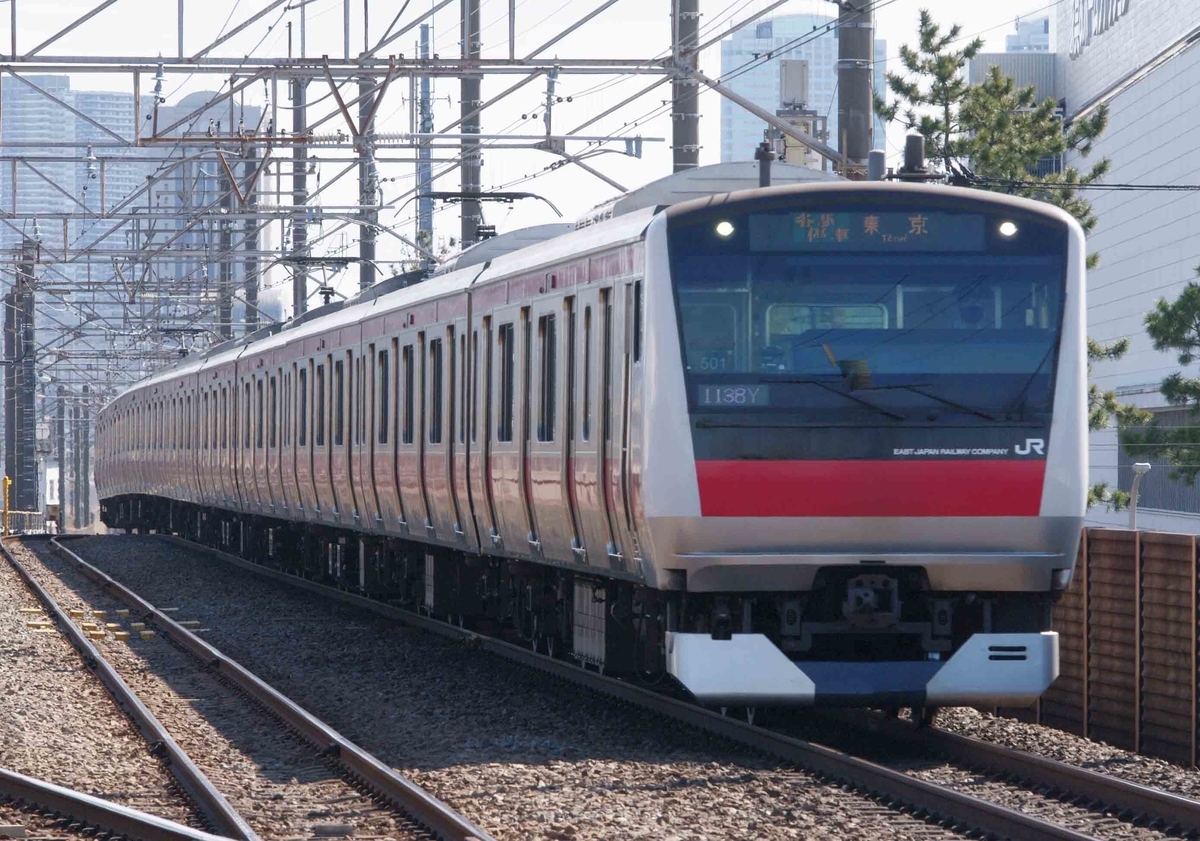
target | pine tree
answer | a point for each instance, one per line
(1174, 327)
(998, 133)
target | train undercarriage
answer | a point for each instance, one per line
(854, 625)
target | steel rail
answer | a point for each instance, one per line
(210, 802)
(93, 812)
(923, 799)
(1174, 812)
(361, 766)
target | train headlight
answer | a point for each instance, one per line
(724, 229)
(1008, 229)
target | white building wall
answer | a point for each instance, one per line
(1146, 28)
(1149, 242)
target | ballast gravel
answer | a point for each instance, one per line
(59, 722)
(1072, 749)
(522, 755)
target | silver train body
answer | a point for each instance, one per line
(821, 444)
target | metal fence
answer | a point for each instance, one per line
(26, 522)
(1128, 645)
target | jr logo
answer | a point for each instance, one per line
(1031, 445)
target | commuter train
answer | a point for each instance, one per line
(818, 444)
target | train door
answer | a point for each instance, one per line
(435, 461)
(305, 437)
(481, 432)
(613, 391)
(273, 449)
(409, 445)
(368, 420)
(585, 458)
(384, 439)
(627, 326)
(323, 397)
(510, 447)
(549, 397)
(287, 464)
(460, 464)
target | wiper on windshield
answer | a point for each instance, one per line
(945, 401)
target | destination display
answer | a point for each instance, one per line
(866, 231)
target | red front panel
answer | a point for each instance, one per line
(868, 488)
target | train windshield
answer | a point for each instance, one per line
(855, 313)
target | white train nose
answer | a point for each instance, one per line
(1009, 670)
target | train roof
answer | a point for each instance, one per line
(569, 244)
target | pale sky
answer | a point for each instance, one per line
(630, 29)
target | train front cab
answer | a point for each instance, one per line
(864, 462)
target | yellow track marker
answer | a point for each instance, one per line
(122, 612)
(190, 623)
(122, 636)
(75, 613)
(137, 626)
(31, 610)
(99, 614)
(146, 635)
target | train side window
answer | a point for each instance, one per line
(385, 395)
(302, 411)
(339, 402)
(586, 428)
(224, 418)
(247, 418)
(475, 386)
(273, 413)
(435, 391)
(285, 411)
(505, 337)
(465, 388)
(637, 321)
(191, 422)
(547, 388)
(319, 407)
(606, 363)
(362, 400)
(356, 402)
(409, 380)
(204, 407)
(258, 429)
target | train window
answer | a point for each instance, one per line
(505, 336)
(606, 363)
(246, 418)
(452, 376)
(319, 407)
(191, 422)
(302, 410)
(569, 368)
(258, 427)
(273, 412)
(361, 426)
(462, 411)
(224, 418)
(339, 402)
(435, 394)
(285, 411)
(174, 423)
(547, 388)
(204, 407)
(586, 427)
(385, 395)
(409, 379)
(637, 321)
(475, 386)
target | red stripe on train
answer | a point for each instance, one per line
(958, 488)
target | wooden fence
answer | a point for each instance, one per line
(1128, 640)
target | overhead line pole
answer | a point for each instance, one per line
(470, 91)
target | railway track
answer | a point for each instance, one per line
(255, 764)
(54, 811)
(1089, 805)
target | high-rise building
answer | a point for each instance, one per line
(1033, 36)
(809, 38)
